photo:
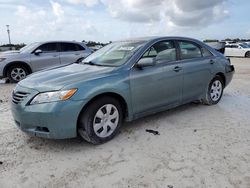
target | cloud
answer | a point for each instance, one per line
(88, 3)
(57, 9)
(54, 22)
(248, 33)
(183, 13)
(106, 20)
(134, 11)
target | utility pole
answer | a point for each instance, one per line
(8, 31)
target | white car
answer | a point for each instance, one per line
(237, 50)
(246, 43)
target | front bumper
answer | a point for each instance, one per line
(1, 70)
(56, 120)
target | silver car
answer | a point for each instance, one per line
(16, 65)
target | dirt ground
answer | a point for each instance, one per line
(198, 146)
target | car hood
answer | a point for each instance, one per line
(12, 54)
(57, 78)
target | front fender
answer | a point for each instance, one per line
(115, 84)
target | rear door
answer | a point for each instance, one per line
(236, 50)
(159, 85)
(197, 64)
(48, 58)
(70, 52)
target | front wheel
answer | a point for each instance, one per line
(17, 73)
(214, 91)
(101, 120)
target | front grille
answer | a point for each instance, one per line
(18, 96)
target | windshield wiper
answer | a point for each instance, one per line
(91, 63)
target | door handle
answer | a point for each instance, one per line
(177, 69)
(211, 62)
(77, 54)
(55, 55)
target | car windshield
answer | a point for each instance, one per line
(244, 46)
(114, 54)
(28, 47)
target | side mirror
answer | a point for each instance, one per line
(38, 51)
(145, 62)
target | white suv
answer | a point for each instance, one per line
(16, 65)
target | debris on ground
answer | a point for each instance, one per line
(152, 131)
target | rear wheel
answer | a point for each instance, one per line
(17, 73)
(247, 54)
(101, 120)
(214, 91)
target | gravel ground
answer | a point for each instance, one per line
(198, 146)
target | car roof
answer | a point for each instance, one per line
(153, 38)
(41, 42)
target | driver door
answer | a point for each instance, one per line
(157, 86)
(49, 56)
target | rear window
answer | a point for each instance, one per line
(68, 47)
(206, 52)
(189, 50)
(79, 47)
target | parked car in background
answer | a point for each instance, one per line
(124, 80)
(237, 50)
(246, 44)
(16, 65)
(229, 42)
(96, 47)
(219, 46)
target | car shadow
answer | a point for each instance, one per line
(77, 144)
(139, 123)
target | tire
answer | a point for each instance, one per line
(17, 73)
(247, 54)
(214, 91)
(101, 120)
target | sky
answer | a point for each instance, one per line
(109, 20)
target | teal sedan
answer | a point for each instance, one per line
(123, 81)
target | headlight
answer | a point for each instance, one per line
(53, 96)
(2, 59)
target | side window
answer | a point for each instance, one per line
(68, 47)
(189, 50)
(234, 46)
(79, 47)
(163, 51)
(206, 52)
(48, 47)
(150, 53)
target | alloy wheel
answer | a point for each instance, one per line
(18, 74)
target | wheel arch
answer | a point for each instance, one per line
(222, 76)
(247, 52)
(27, 66)
(117, 96)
